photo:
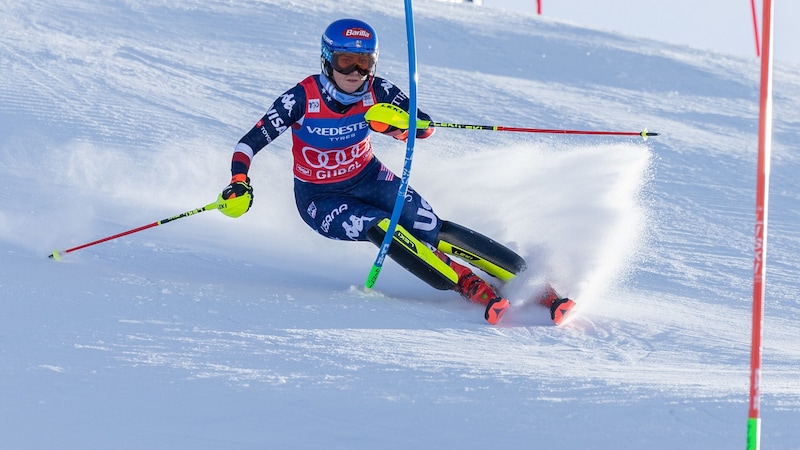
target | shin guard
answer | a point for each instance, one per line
(415, 256)
(480, 251)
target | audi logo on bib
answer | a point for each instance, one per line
(328, 166)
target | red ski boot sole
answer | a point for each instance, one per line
(495, 310)
(561, 310)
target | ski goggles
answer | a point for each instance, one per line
(348, 62)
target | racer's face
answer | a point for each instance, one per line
(349, 83)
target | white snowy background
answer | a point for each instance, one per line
(254, 333)
(719, 25)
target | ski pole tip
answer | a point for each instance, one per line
(645, 134)
(55, 255)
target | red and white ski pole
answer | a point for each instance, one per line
(644, 134)
(57, 254)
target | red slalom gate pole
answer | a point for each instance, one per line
(762, 202)
(755, 25)
(57, 254)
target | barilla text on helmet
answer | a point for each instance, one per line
(350, 33)
(357, 32)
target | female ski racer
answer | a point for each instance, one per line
(344, 192)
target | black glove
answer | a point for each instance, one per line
(240, 184)
(237, 198)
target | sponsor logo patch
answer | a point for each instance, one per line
(326, 222)
(356, 226)
(313, 105)
(357, 33)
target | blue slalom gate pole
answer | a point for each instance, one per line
(412, 134)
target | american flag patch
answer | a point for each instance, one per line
(312, 210)
(385, 174)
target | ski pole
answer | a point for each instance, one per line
(644, 134)
(57, 254)
(387, 113)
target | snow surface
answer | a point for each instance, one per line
(211, 333)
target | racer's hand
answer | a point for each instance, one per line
(237, 197)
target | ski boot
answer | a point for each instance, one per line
(475, 289)
(560, 307)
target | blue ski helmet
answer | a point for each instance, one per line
(350, 36)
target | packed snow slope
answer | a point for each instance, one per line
(209, 333)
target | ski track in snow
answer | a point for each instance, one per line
(119, 114)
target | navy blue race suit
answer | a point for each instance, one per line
(341, 188)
